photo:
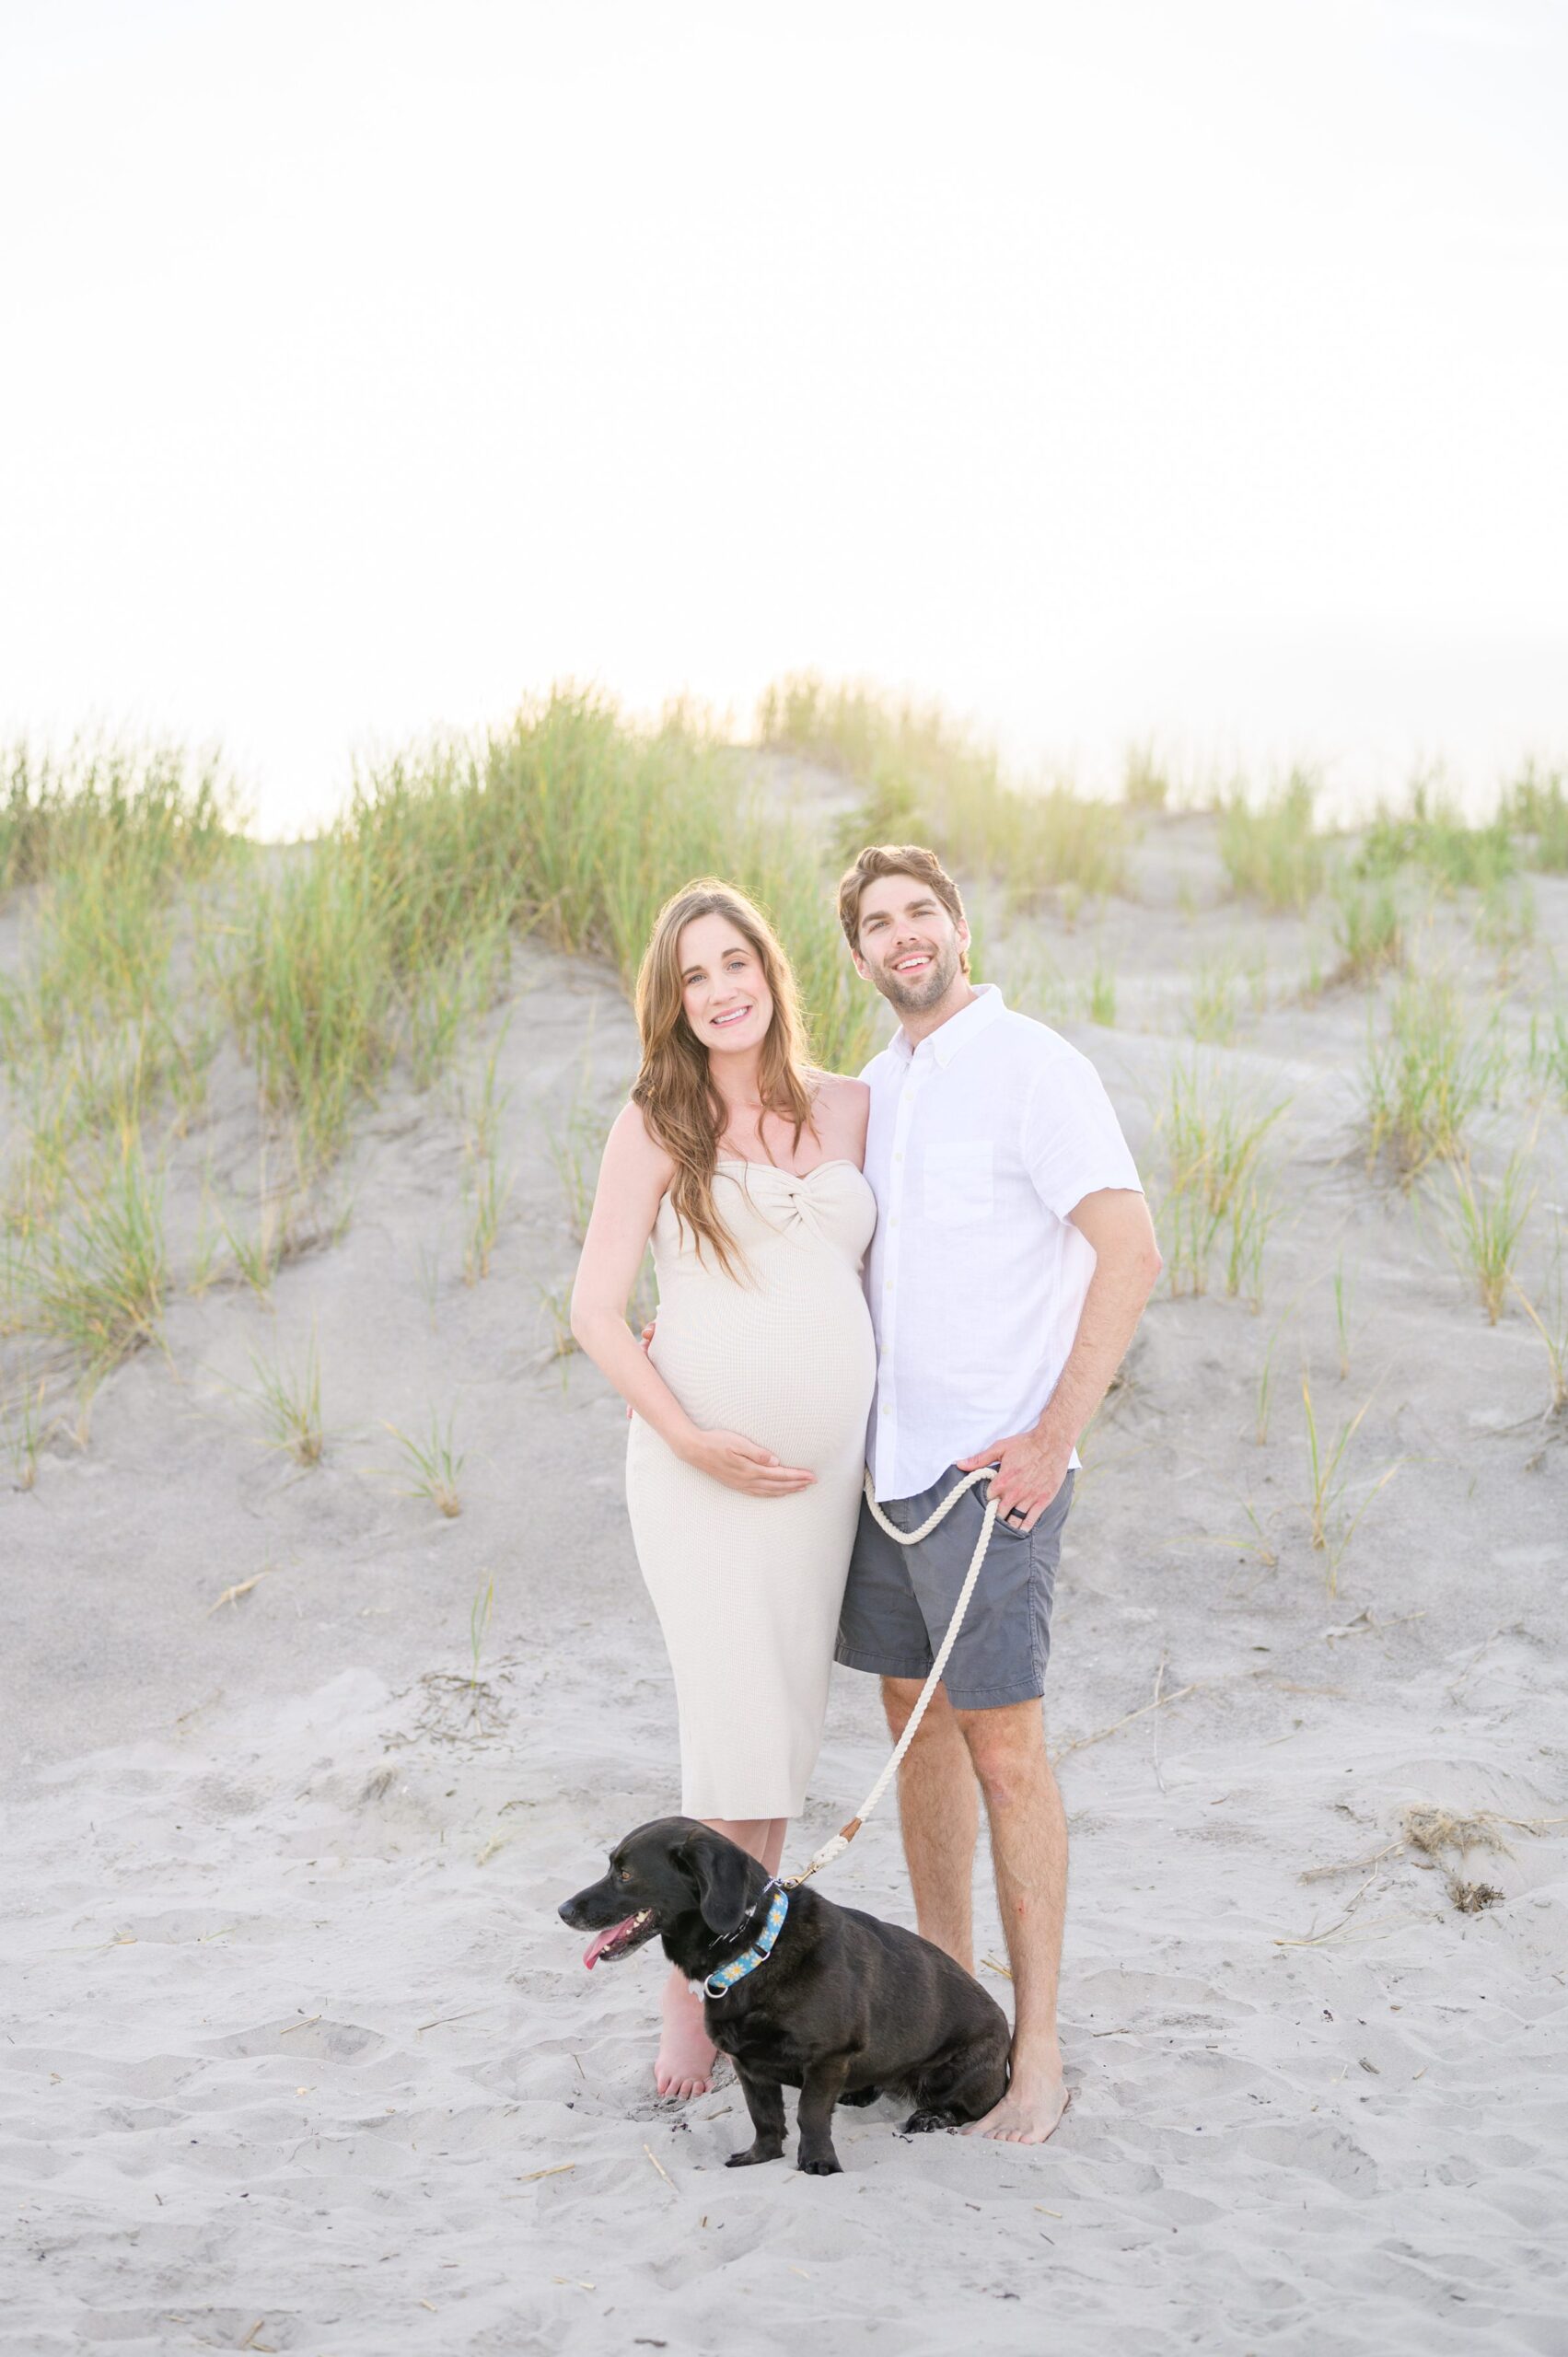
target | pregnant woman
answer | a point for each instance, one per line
(742, 1164)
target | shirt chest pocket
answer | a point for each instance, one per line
(958, 1185)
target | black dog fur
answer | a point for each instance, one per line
(844, 2008)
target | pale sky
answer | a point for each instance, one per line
(1106, 370)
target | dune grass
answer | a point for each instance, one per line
(151, 930)
(601, 822)
(1535, 808)
(575, 1146)
(1218, 1186)
(389, 936)
(94, 1030)
(1272, 850)
(1484, 1225)
(1547, 1053)
(1332, 1523)
(1424, 1078)
(289, 1400)
(1213, 1012)
(147, 811)
(100, 1274)
(107, 1036)
(487, 1190)
(1031, 980)
(26, 1429)
(257, 1258)
(1428, 833)
(481, 1612)
(1506, 920)
(112, 839)
(1099, 996)
(924, 778)
(1342, 1317)
(306, 984)
(108, 848)
(487, 1182)
(1369, 931)
(569, 823)
(1145, 784)
(556, 1311)
(431, 1468)
(455, 995)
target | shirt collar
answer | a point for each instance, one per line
(959, 1029)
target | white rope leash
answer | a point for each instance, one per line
(846, 1834)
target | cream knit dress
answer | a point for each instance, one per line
(748, 1589)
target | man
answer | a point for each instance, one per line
(1013, 1256)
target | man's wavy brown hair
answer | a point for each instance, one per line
(897, 859)
(674, 1088)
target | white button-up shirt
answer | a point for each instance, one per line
(982, 1139)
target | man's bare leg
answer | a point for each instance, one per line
(685, 2064)
(939, 1810)
(1028, 1849)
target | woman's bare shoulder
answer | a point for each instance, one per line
(835, 1091)
(841, 1107)
(632, 1144)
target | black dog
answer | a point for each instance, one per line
(842, 2008)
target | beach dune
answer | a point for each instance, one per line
(298, 2056)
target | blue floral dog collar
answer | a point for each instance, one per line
(719, 1983)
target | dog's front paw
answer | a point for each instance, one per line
(821, 2164)
(752, 2154)
(921, 2123)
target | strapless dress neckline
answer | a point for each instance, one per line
(839, 1162)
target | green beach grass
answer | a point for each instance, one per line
(156, 940)
(1426, 1076)
(923, 778)
(1272, 850)
(1431, 835)
(327, 962)
(568, 824)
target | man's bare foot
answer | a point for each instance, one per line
(1029, 2111)
(685, 2064)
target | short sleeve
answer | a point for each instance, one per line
(1072, 1142)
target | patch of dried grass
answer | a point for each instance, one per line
(1437, 1835)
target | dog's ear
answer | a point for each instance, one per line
(719, 1869)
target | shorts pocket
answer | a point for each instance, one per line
(957, 1182)
(1001, 1527)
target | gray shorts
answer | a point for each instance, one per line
(900, 1599)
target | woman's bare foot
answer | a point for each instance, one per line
(685, 2064)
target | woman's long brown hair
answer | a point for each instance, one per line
(675, 1088)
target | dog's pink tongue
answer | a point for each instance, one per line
(600, 1941)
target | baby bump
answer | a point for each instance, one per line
(793, 1371)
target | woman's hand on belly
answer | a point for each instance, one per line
(742, 1464)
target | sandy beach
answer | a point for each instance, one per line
(298, 2055)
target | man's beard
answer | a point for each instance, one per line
(927, 988)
